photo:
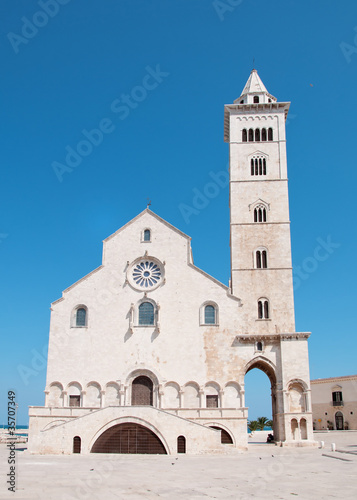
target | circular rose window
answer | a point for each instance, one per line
(145, 274)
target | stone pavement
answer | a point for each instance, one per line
(263, 472)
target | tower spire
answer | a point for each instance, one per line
(254, 90)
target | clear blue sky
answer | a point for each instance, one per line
(72, 72)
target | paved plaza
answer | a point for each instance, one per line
(264, 472)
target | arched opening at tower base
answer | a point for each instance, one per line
(129, 438)
(267, 406)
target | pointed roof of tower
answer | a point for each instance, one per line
(255, 85)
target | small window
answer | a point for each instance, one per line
(181, 444)
(212, 401)
(244, 135)
(270, 134)
(147, 235)
(76, 444)
(269, 100)
(257, 134)
(146, 314)
(251, 135)
(210, 315)
(256, 99)
(259, 346)
(74, 401)
(81, 317)
(263, 309)
(337, 398)
(264, 134)
(242, 101)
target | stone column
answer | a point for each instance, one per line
(181, 393)
(160, 394)
(201, 397)
(122, 395)
(242, 397)
(221, 396)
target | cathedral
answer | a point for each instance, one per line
(148, 353)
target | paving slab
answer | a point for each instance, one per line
(265, 471)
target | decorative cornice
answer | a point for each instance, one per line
(253, 337)
(333, 379)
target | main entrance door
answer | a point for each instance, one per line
(142, 391)
(339, 421)
(129, 438)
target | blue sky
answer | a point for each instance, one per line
(72, 73)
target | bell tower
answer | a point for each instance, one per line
(261, 269)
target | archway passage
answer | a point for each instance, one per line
(129, 438)
(225, 437)
(264, 402)
(142, 391)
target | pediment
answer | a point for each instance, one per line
(258, 153)
(259, 201)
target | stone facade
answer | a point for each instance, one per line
(147, 344)
(334, 403)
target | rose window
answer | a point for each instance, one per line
(146, 274)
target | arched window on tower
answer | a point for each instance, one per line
(261, 259)
(257, 134)
(264, 134)
(258, 166)
(270, 134)
(244, 135)
(263, 308)
(256, 99)
(260, 214)
(251, 135)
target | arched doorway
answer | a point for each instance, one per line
(265, 400)
(225, 437)
(129, 438)
(339, 421)
(76, 444)
(181, 444)
(142, 391)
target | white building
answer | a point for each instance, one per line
(334, 403)
(148, 353)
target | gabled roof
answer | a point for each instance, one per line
(168, 225)
(148, 211)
